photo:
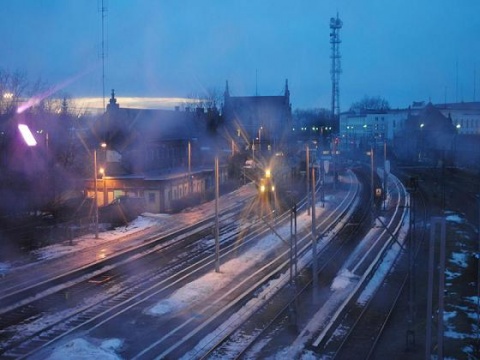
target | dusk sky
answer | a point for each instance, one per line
(402, 50)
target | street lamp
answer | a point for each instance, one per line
(421, 142)
(260, 138)
(457, 131)
(95, 185)
(27, 135)
(372, 204)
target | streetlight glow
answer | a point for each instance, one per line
(27, 135)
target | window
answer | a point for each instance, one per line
(151, 198)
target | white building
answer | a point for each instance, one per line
(464, 115)
(362, 129)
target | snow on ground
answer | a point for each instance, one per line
(79, 349)
(198, 290)
(342, 280)
(459, 259)
(86, 241)
(4, 269)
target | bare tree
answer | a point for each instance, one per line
(370, 103)
(208, 100)
(12, 87)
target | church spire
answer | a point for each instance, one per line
(112, 104)
(226, 94)
(287, 91)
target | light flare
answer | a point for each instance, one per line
(35, 100)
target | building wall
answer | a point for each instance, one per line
(159, 192)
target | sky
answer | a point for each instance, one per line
(401, 50)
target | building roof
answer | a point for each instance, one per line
(126, 127)
(162, 124)
(466, 106)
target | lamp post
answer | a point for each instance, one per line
(421, 142)
(253, 151)
(372, 204)
(95, 185)
(457, 130)
(95, 196)
(217, 230)
(308, 178)
(314, 242)
(260, 138)
(189, 167)
(386, 169)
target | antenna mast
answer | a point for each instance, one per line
(103, 12)
(335, 26)
(474, 82)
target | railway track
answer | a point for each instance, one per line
(277, 298)
(248, 341)
(363, 323)
(57, 295)
(255, 291)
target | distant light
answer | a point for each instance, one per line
(459, 126)
(422, 125)
(27, 135)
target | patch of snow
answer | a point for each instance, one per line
(342, 280)
(78, 349)
(455, 218)
(450, 275)
(199, 289)
(447, 315)
(86, 241)
(380, 274)
(4, 269)
(459, 259)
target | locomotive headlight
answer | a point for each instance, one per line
(273, 188)
(262, 188)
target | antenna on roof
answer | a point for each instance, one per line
(256, 82)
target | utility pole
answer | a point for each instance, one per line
(217, 230)
(307, 160)
(314, 242)
(190, 168)
(441, 286)
(410, 338)
(372, 189)
(95, 190)
(386, 171)
(478, 282)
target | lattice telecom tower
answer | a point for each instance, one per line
(335, 26)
